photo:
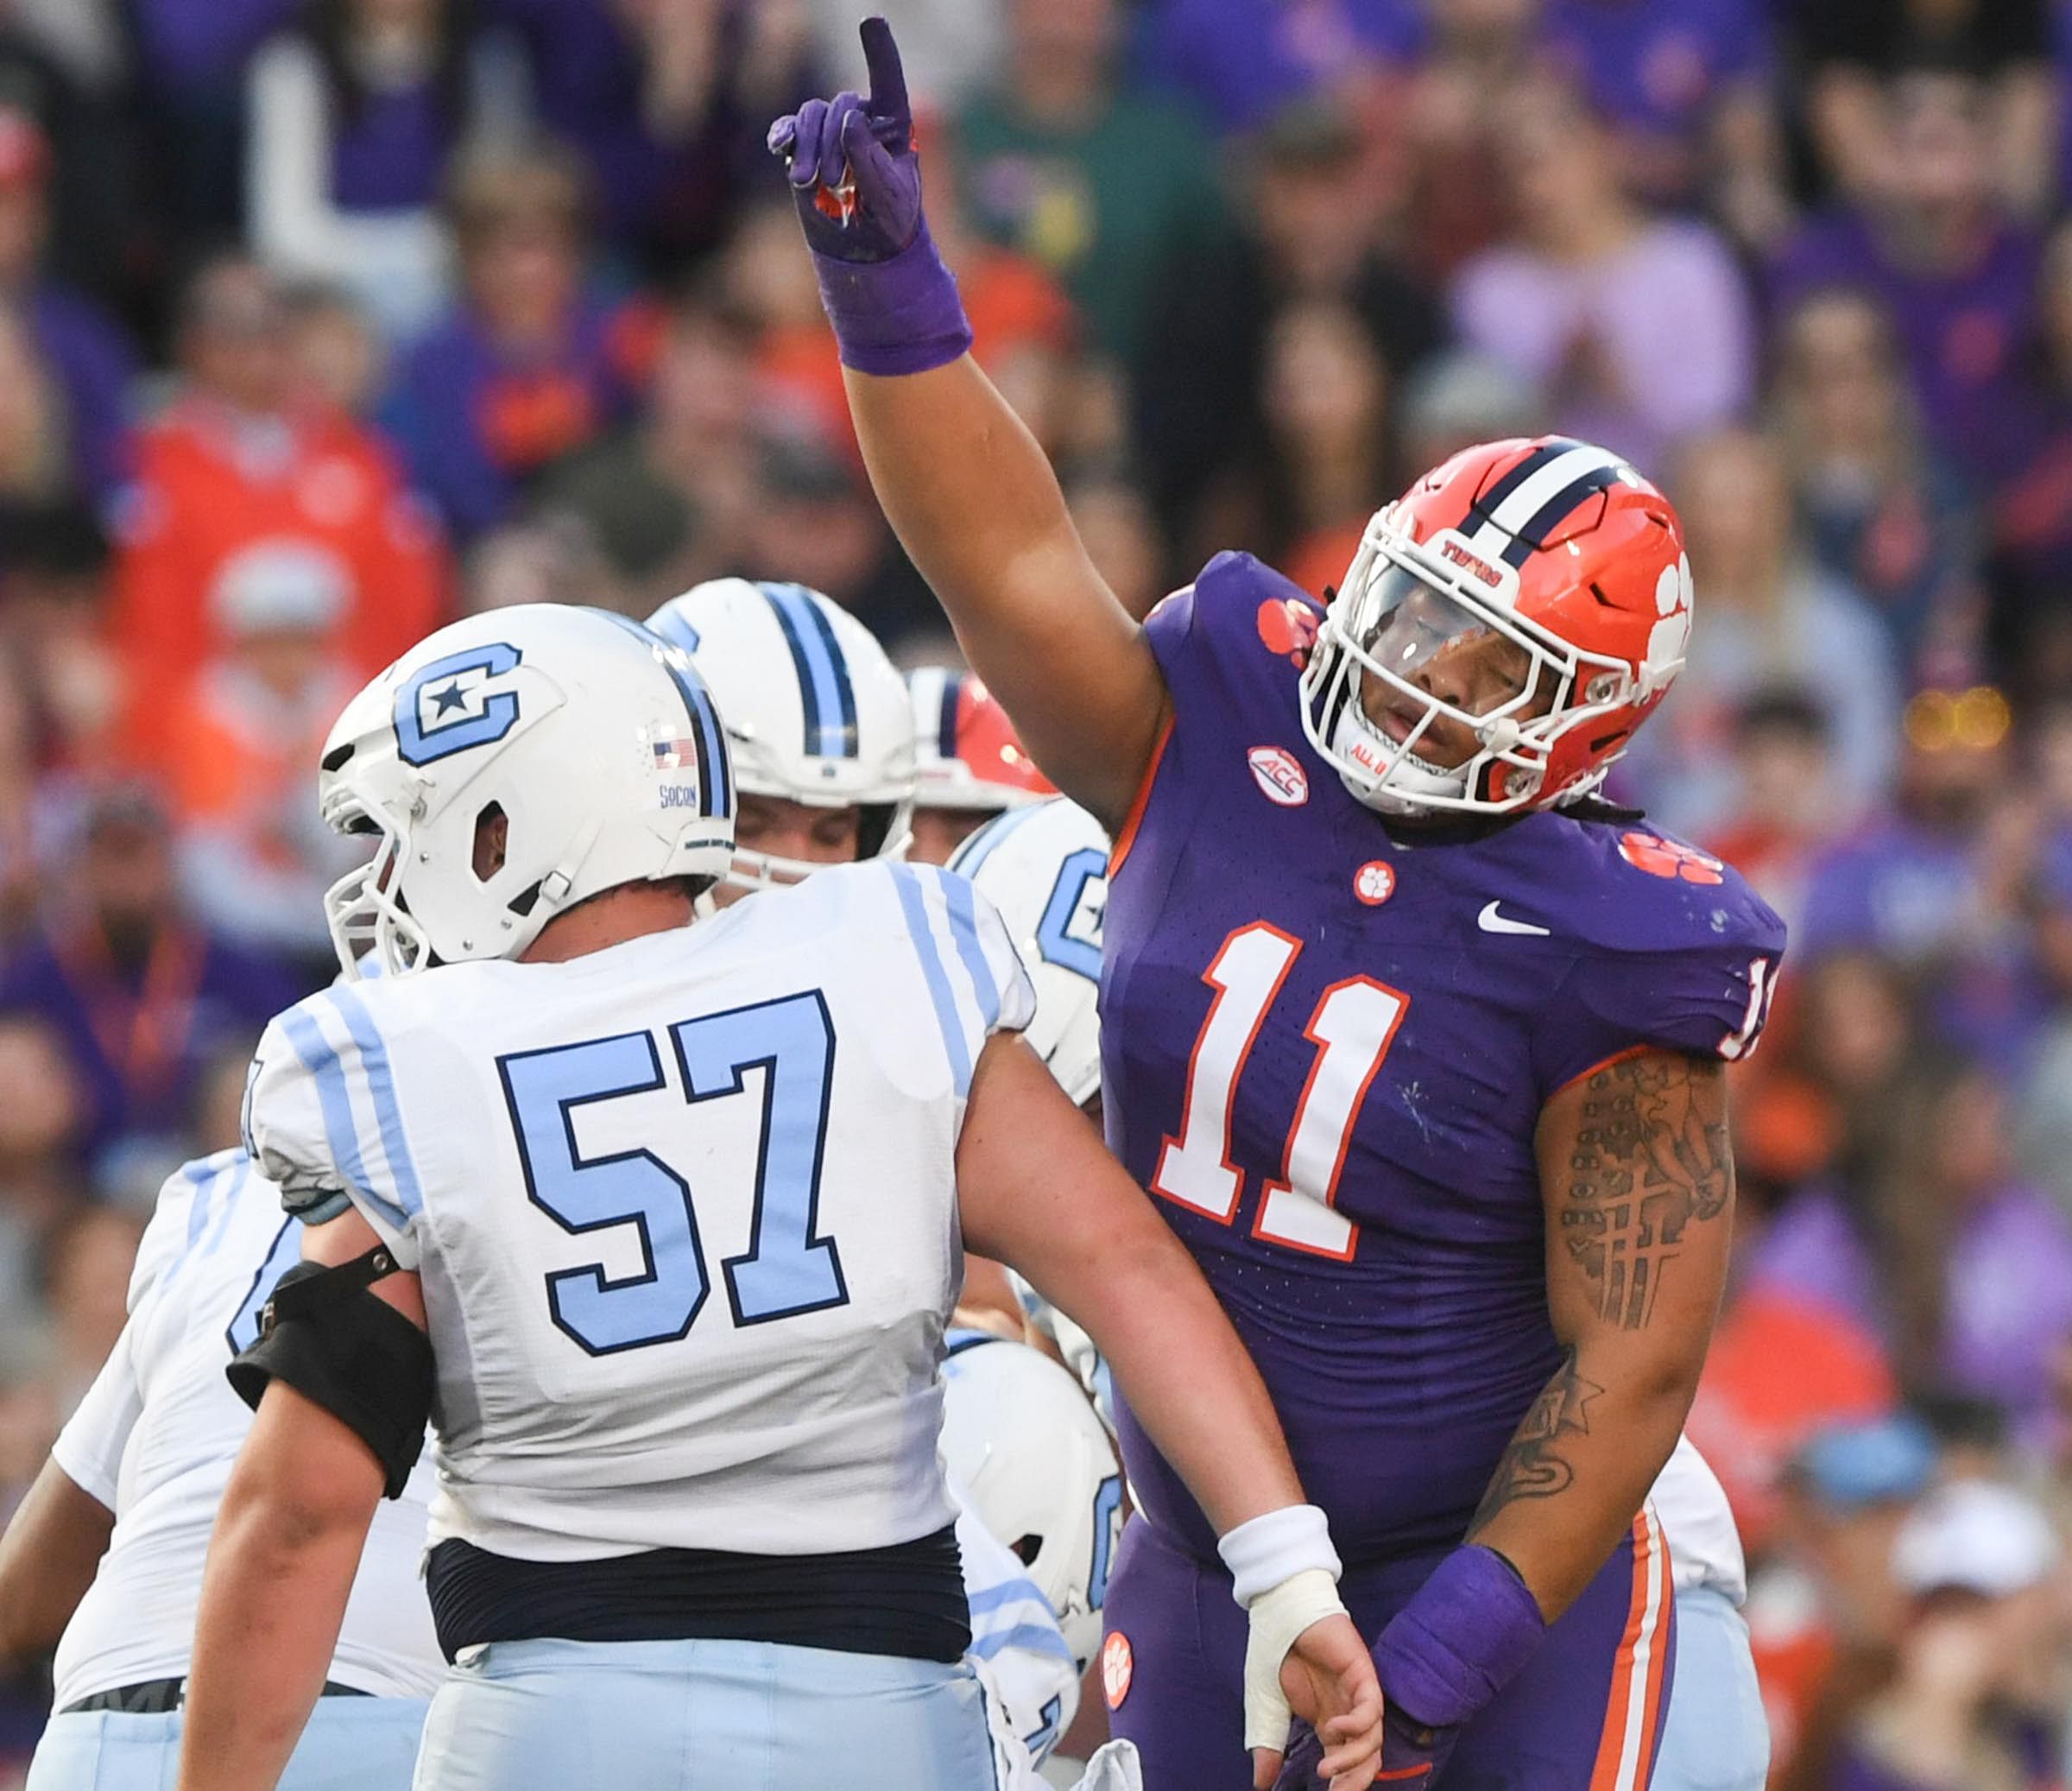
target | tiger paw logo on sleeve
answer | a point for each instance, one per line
(1670, 858)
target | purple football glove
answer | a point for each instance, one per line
(1412, 1756)
(856, 182)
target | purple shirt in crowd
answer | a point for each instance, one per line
(2007, 1291)
(1245, 59)
(1397, 1307)
(189, 44)
(1659, 66)
(96, 370)
(392, 156)
(1960, 333)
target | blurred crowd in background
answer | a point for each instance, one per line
(322, 321)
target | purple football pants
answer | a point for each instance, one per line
(1586, 1714)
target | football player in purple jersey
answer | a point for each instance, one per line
(1420, 1043)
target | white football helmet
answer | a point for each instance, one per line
(1046, 868)
(594, 739)
(815, 711)
(1041, 1472)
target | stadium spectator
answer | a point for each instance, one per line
(1591, 298)
(1935, 248)
(2029, 522)
(54, 575)
(90, 361)
(664, 499)
(142, 996)
(1313, 224)
(1824, 1610)
(534, 362)
(1881, 509)
(355, 114)
(1102, 186)
(339, 362)
(1770, 613)
(1114, 521)
(34, 445)
(1460, 397)
(40, 1124)
(1980, 1567)
(1855, 48)
(1326, 405)
(1243, 61)
(242, 456)
(669, 102)
(1685, 87)
(1964, 1270)
(238, 747)
(88, 1261)
(1782, 813)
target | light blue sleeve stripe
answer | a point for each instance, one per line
(964, 928)
(915, 907)
(340, 1129)
(1036, 1638)
(232, 1186)
(1009, 1592)
(381, 1083)
(966, 860)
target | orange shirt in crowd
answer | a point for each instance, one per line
(208, 487)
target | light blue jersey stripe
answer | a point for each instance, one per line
(339, 1126)
(1037, 1638)
(915, 906)
(381, 1083)
(1009, 1592)
(964, 928)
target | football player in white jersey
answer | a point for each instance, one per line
(108, 1547)
(818, 723)
(661, 1226)
(969, 763)
(1046, 868)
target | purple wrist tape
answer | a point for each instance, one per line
(1460, 1641)
(897, 316)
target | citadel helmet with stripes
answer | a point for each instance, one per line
(1560, 549)
(816, 713)
(967, 754)
(596, 742)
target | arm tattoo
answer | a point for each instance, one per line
(1532, 1466)
(1651, 1159)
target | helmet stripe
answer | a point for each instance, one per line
(1502, 521)
(1490, 503)
(1527, 536)
(825, 692)
(715, 769)
(945, 721)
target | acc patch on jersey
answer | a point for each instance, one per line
(1118, 1667)
(1279, 775)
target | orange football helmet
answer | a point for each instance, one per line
(1558, 548)
(967, 754)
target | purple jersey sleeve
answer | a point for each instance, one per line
(1680, 954)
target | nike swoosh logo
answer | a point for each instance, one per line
(1491, 922)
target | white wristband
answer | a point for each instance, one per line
(1267, 1550)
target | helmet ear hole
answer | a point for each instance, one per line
(1027, 1548)
(492, 841)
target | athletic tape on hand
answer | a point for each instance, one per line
(1277, 1617)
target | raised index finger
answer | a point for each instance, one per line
(887, 79)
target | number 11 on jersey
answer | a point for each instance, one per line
(1351, 1026)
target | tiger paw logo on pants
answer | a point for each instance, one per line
(1118, 1667)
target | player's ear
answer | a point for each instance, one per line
(492, 839)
